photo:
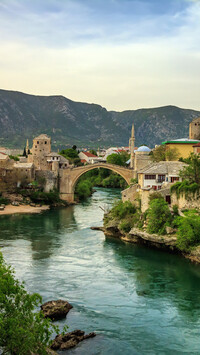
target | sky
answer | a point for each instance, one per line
(121, 54)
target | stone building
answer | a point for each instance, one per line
(194, 129)
(41, 148)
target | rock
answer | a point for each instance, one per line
(2, 208)
(56, 309)
(170, 230)
(70, 340)
(15, 203)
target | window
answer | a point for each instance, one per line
(161, 178)
(174, 178)
(45, 142)
(150, 177)
(37, 142)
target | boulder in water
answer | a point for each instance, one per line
(70, 340)
(56, 309)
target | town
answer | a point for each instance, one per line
(142, 174)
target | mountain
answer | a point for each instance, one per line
(68, 122)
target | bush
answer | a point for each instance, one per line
(122, 209)
(155, 195)
(83, 189)
(188, 234)
(175, 210)
(22, 330)
(159, 216)
(125, 226)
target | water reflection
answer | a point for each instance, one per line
(43, 231)
(160, 275)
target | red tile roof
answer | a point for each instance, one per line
(83, 161)
(196, 145)
(89, 155)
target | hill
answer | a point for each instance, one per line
(68, 122)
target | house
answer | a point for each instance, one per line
(156, 175)
(184, 146)
(87, 157)
(196, 148)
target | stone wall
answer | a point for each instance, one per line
(48, 179)
(131, 194)
(183, 202)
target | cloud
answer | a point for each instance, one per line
(121, 54)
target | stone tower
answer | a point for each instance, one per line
(194, 129)
(41, 148)
(132, 147)
(27, 147)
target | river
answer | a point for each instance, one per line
(137, 300)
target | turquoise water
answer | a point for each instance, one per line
(138, 300)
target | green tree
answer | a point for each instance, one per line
(92, 151)
(115, 159)
(192, 171)
(24, 153)
(188, 234)
(22, 330)
(159, 216)
(161, 153)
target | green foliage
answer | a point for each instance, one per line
(92, 151)
(24, 153)
(185, 187)
(118, 159)
(98, 177)
(155, 195)
(14, 157)
(3, 200)
(161, 153)
(71, 154)
(125, 226)
(83, 189)
(192, 171)
(175, 210)
(134, 181)
(122, 209)
(47, 198)
(188, 234)
(159, 216)
(22, 330)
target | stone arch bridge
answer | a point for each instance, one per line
(70, 176)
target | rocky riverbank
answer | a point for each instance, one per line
(138, 236)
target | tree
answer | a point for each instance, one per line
(24, 153)
(22, 330)
(192, 171)
(114, 159)
(74, 147)
(92, 151)
(161, 153)
(159, 216)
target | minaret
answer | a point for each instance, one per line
(27, 147)
(132, 146)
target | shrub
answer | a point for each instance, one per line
(125, 226)
(188, 234)
(122, 209)
(83, 189)
(159, 216)
(175, 210)
(22, 330)
(155, 195)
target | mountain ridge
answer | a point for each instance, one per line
(70, 122)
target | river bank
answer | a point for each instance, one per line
(22, 209)
(166, 242)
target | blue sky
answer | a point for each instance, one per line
(122, 54)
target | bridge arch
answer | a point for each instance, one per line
(93, 167)
(70, 176)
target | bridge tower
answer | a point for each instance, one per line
(132, 147)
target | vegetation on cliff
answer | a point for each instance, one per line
(155, 220)
(23, 331)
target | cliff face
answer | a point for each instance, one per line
(24, 116)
